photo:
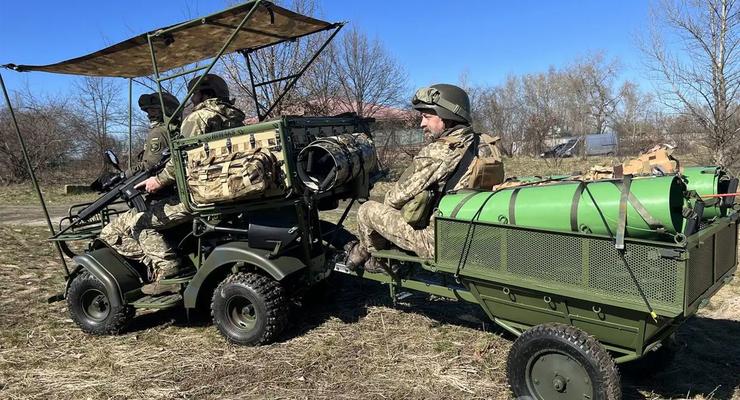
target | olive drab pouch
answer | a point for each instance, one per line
(487, 170)
(417, 211)
(233, 176)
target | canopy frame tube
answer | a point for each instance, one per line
(168, 118)
(292, 77)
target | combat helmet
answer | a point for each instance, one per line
(447, 101)
(211, 82)
(151, 100)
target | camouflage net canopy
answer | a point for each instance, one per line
(189, 42)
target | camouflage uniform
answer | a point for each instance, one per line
(379, 223)
(144, 228)
(156, 142)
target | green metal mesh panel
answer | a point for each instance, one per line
(657, 276)
(700, 270)
(726, 251)
(544, 256)
(583, 264)
(484, 251)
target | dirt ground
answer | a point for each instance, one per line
(349, 344)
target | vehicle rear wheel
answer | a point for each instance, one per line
(556, 361)
(249, 309)
(90, 308)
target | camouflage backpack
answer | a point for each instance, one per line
(233, 176)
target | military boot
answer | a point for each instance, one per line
(157, 287)
(356, 255)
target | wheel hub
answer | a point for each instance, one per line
(556, 375)
(241, 313)
(95, 304)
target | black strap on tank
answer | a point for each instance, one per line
(461, 204)
(652, 222)
(512, 206)
(574, 206)
(622, 223)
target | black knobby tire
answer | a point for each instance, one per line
(90, 307)
(249, 309)
(557, 361)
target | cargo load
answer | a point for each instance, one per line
(654, 207)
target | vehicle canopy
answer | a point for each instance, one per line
(244, 28)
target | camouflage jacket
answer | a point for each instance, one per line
(431, 167)
(156, 142)
(211, 115)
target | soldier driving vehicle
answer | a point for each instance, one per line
(600, 273)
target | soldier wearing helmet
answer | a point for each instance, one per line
(213, 111)
(403, 218)
(156, 140)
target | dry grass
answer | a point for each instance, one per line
(353, 345)
(53, 195)
(350, 345)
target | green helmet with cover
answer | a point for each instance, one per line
(446, 101)
(211, 82)
(151, 100)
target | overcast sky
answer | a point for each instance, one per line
(435, 41)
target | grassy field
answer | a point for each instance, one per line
(350, 345)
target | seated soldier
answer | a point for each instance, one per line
(445, 119)
(118, 232)
(213, 111)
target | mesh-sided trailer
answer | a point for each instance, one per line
(560, 292)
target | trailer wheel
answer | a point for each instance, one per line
(249, 309)
(90, 307)
(557, 361)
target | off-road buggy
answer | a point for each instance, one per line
(248, 258)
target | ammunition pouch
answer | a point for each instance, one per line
(487, 172)
(417, 211)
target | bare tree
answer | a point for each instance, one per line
(369, 78)
(98, 111)
(49, 138)
(700, 76)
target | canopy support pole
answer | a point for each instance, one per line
(33, 176)
(130, 120)
(231, 38)
(293, 78)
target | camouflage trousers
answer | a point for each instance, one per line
(137, 235)
(379, 224)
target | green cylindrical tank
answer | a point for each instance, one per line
(576, 206)
(708, 181)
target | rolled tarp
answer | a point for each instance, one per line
(333, 161)
(654, 207)
(709, 181)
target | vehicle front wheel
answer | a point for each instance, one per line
(90, 308)
(249, 309)
(557, 361)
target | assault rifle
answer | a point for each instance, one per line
(119, 187)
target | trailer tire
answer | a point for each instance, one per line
(91, 309)
(552, 360)
(249, 308)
